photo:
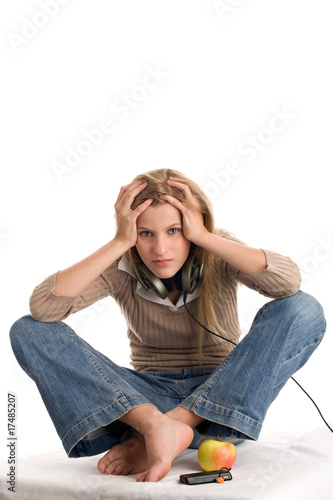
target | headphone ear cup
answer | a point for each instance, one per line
(191, 274)
(149, 281)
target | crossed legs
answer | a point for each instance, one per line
(84, 391)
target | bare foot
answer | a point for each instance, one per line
(150, 453)
(129, 457)
(165, 438)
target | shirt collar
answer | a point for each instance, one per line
(125, 265)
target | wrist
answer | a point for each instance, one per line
(120, 246)
(202, 238)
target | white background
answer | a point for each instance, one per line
(226, 74)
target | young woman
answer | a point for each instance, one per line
(187, 383)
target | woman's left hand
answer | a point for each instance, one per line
(193, 224)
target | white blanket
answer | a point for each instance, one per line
(277, 467)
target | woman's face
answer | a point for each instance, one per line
(161, 244)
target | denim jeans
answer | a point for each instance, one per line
(86, 393)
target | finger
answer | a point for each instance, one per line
(121, 192)
(132, 186)
(192, 201)
(137, 185)
(178, 179)
(134, 190)
(141, 208)
(173, 201)
(173, 181)
(130, 191)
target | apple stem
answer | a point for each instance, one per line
(218, 438)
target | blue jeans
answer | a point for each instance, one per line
(86, 393)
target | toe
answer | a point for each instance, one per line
(126, 470)
(118, 469)
(101, 466)
(104, 462)
(140, 478)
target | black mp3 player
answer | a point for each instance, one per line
(206, 477)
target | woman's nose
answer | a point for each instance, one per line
(159, 245)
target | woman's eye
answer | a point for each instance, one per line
(145, 233)
(174, 230)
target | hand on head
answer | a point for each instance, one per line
(192, 218)
(126, 217)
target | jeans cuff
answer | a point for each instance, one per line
(102, 418)
(222, 421)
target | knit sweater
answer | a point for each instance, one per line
(164, 338)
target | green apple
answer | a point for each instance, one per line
(214, 454)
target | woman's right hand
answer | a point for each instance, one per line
(74, 280)
(126, 217)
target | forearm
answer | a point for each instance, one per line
(73, 280)
(246, 259)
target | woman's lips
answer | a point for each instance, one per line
(163, 262)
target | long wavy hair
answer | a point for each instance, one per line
(211, 289)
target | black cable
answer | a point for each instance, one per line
(231, 342)
(299, 385)
(202, 326)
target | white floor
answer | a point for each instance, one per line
(277, 467)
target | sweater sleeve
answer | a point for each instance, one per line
(281, 278)
(46, 306)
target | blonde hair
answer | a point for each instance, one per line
(211, 288)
